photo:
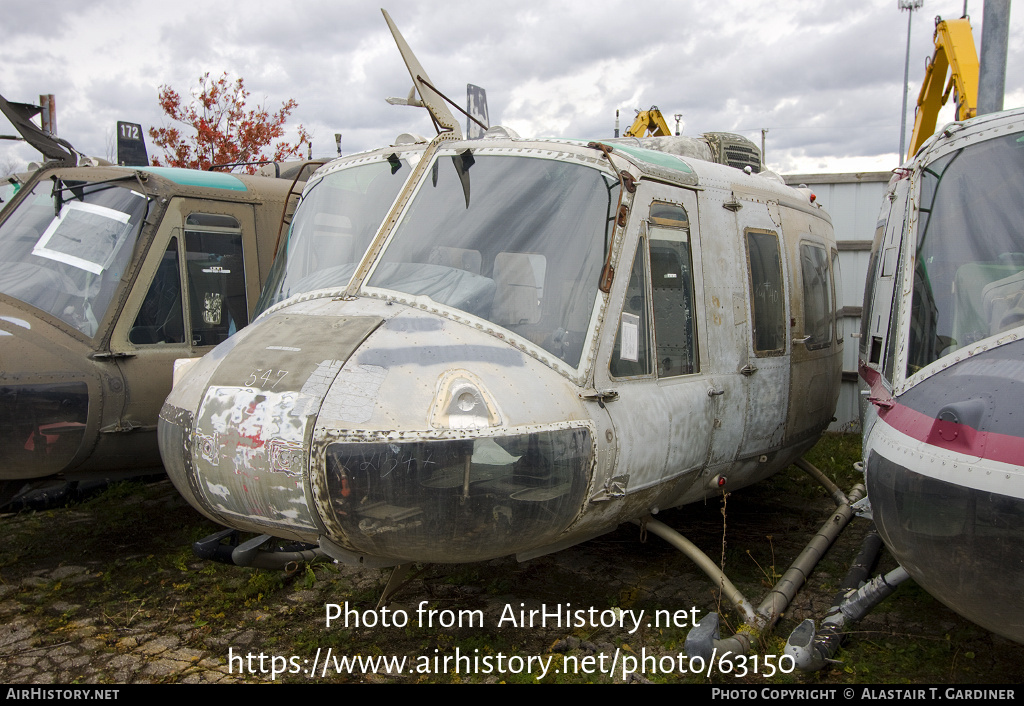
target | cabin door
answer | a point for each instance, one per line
(652, 354)
(817, 350)
(879, 324)
(765, 370)
(194, 289)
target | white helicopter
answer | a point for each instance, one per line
(540, 340)
(942, 362)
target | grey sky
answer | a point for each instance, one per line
(824, 77)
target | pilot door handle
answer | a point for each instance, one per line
(111, 355)
(748, 369)
(805, 339)
(712, 392)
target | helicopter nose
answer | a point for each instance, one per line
(375, 452)
(234, 433)
(42, 426)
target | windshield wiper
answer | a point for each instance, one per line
(626, 183)
(463, 161)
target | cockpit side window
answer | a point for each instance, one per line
(160, 319)
(215, 276)
(867, 311)
(817, 299)
(672, 290)
(837, 295)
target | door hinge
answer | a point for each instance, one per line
(600, 396)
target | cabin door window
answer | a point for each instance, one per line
(216, 277)
(766, 290)
(672, 290)
(630, 355)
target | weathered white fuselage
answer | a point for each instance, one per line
(533, 350)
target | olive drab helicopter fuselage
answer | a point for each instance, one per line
(108, 275)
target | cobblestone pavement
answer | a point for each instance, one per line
(139, 644)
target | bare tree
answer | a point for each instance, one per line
(9, 165)
(111, 140)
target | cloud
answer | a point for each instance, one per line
(825, 80)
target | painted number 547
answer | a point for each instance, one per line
(268, 378)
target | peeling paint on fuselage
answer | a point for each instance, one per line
(259, 435)
(436, 434)
(358, 387)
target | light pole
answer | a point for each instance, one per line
(910, 6)
(995, 28)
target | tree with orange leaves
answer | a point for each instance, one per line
(225, 131)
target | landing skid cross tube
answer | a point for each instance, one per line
(812, 649)
(704, 639)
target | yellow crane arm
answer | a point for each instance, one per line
(649, 120)
(955, 53)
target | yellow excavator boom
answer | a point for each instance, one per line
(649, 122)
(954, 53)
